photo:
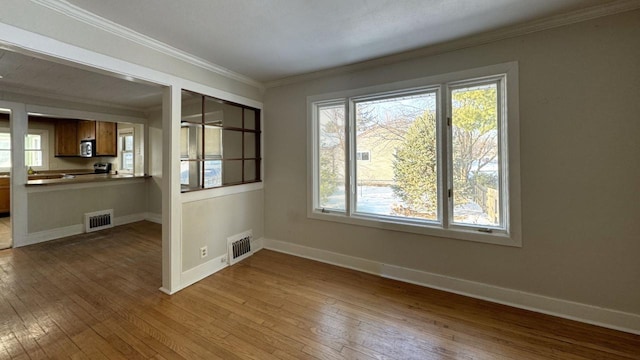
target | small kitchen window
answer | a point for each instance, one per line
(126, 150)
(35, 149)
(219, 143)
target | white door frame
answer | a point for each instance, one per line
(18, 124)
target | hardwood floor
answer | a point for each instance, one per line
(5, 232)
(95, 296)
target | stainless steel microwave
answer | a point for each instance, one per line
(87, 148)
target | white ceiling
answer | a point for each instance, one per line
(28, 75)
(269, 40)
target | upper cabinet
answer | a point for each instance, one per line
(67, 143)
(106, 142)
(70, 132)
(86, 130)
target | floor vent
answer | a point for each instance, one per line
(98, 220)
(239, 246)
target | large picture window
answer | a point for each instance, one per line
(220, 143)
(431, 159)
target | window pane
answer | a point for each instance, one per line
(249, 119)
(188, 172)
(32, 142)
(5, 158)
(127, 144)
(396, 157)
(232, 141)
(184, 142)
(331, 157)
(212, 142)
(5, 141)
(475, 155)
(191, 107)
(212, 173)
(232, 172)
(127, 161)
(191, 141)
(250, 170)
(222, 114)
(33, 158)
(250, 145)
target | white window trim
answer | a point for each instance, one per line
(121, 134)
(44, 136)
(510, 130)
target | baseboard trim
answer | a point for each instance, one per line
(153, 217)
(52, 234)
(590, 314)
(257, 244)
(127, 219)
(193, 275)
(164, 290)
(211, 267)
(57, 233)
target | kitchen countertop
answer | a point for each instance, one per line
(86, 178)
(45, 173)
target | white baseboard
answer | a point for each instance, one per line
(153, 217)
(52, 234)
(164, 290)
(192, 276)
(57, 233)
(257, 245)
(128, 219)
(211, 267)
(590, 314)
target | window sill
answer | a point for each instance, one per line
(503, 239)
(204, 194)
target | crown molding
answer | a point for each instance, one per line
(77, 13)
(547, 23)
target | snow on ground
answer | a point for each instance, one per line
(380, 200)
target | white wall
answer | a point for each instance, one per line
(225, 216)
(154, 161)
(579, 111)
(61, 207)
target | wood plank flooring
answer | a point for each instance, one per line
(5, 232)
(95, 296)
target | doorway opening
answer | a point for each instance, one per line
(6, 240)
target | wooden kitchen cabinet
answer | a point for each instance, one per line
(69, 133)
(86, 130)
(5, 195)
(67, 143)
(106, 139)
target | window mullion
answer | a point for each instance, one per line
(315, 139)
(503, 154)
(349, 123)
(444, 141)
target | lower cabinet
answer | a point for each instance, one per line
(5, 195)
